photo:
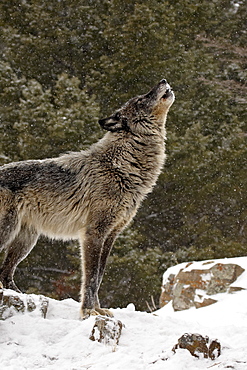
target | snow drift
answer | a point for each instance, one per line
(61, 341)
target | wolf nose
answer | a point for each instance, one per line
(163, 81)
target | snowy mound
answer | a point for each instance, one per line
(61, 341)
(197, 284)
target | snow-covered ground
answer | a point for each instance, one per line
(61, 341)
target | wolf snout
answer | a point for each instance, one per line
(165, 86)
(168, 93)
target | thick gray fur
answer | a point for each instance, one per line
(89, 195)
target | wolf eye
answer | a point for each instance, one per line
(139, 101)
(117, 116)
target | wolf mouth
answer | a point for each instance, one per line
(168, 92)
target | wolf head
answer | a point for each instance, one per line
(143, 111)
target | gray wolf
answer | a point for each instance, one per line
(89, 195)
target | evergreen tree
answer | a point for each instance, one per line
(10, 87)
(63, 119)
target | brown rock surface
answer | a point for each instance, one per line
(196, 344)
(182, 289)
(106, 330)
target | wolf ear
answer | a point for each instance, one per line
(112, 123)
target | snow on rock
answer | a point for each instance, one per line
(12, 302)
(194, 284)
(61, 341)
(198, 345)
(106, 330)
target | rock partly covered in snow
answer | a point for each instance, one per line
(11, 303)
(198, 345)
(193, 287)
(106, 330)
(1, 293)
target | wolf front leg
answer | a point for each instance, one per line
(96, 246)
(91, 252)
(106, 249)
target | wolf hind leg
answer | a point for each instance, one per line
(16, 251)
(9, 224)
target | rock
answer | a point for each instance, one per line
(12, 303)
(184, 287)
(234, 289)
(44, 303)
(182, 297)
(31, 306)
(167, 290)
(106, 330)
(1, 293)
(198, 345)
(205, 302)
(214, 349)
(222, 276)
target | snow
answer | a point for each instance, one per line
(61, 341)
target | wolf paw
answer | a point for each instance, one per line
(86, 312)
(104, 312)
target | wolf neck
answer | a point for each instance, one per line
(143, 154)
(153, 142)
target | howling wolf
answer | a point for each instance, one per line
(88, 195)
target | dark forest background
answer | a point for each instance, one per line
(66, 63)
